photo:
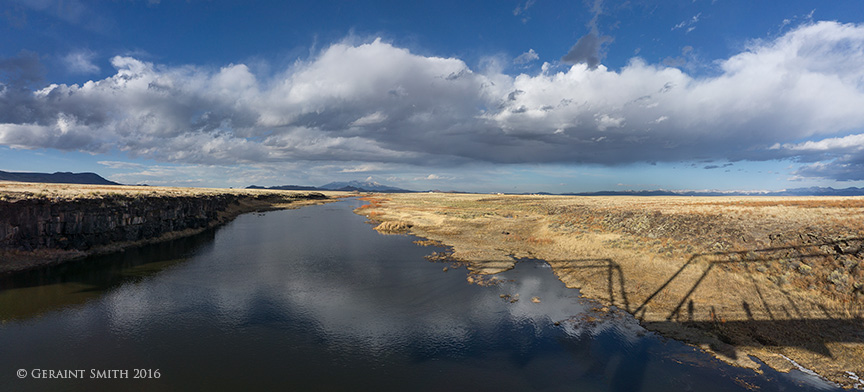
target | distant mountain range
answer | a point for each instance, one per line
(287, 187)
(349, 186)
(811, 191)
(371, 186)
(57, 178)
(367, 186)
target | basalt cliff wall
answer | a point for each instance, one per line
(42, 230)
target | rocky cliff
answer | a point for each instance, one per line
(71, 228)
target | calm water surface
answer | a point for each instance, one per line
(313, 299)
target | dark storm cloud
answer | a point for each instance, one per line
(587, 50)
(21, 70)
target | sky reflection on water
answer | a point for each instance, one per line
(314, 299)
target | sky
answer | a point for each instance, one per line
(483, 96)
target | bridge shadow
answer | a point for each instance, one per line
(767, 313)
(609, 270)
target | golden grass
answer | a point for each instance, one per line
(12, 191)
(714, 271)
(393, 227)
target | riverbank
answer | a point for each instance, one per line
(749, 279)
(44, 224)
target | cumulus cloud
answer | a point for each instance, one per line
(848, 168)
(377, 103)
(850, 143)
(838, 158)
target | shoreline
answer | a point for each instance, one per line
(775, 278)
(50, 224)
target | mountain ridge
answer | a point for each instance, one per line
(809, 191)
(369, 186)
(347, 186)
(56, 178)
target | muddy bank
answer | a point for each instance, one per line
(47, 224)
(778, 279)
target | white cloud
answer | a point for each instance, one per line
(605, 122)
(523, 10)
(431, 177)
(526, 57)
(362, 168)
(370, 119)
(848, 168)
(839, 158)
(850, 142)
(81, 62)
(206, 175)
(690, 24)
(120, 164)
(380, 104)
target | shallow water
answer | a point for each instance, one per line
(313, 299)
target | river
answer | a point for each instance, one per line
(314, 299)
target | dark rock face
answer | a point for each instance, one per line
(86, 223)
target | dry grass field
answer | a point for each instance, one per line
(749, 279)
(12, 191)
(779, 279)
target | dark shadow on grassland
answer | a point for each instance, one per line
(779, 303)
(809, 334)
(606, 270)
(30, 293)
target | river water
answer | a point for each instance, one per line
(314, 299)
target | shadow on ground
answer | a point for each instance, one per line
(781, 297)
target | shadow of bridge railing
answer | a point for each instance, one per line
(613, 275)
(764, 255)
(773, 316)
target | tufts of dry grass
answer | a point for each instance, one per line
(429, 243)
(739, 270)
(393, 227)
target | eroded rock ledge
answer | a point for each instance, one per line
(40, 229)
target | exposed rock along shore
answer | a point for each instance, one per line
(44, 230)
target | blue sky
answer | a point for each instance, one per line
(480, 96)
